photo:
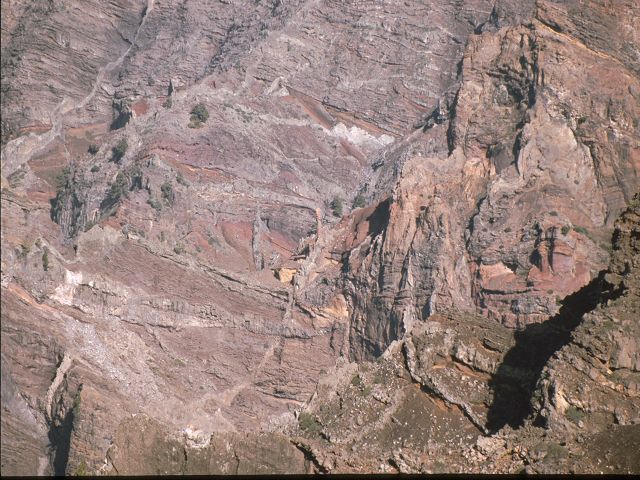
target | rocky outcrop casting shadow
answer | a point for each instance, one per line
(516, 378)
(60, 440)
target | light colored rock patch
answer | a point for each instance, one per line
(57, 381)
(64, 293)
(360, 137)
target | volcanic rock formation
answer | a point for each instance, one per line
(217, 214)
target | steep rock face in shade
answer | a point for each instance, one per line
(593, 381)
(441, 174)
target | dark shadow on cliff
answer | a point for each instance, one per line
(516, 377)
(60, 440)
(60, 431)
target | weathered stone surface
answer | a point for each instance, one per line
(479, 151)
(594, 381)
(143, 446)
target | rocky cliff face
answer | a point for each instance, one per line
(436, 181)
(482, 212)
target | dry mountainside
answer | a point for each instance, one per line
(320, 236)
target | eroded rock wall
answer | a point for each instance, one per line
(200, 273)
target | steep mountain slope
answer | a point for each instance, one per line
(184, 275)
(567, 399)
(565, 391)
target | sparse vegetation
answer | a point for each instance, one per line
(199, 115)
(95, 168)
(356, 381)
(553, 213)
(181, 180)
(119, 150)
(308, 423)
(135, 174)
(64, 180)
(179, 249)
(25, 248)
(76, 405)
(359, 201)
(69, 199)
(439, 467)
(336, 206)
(154, 203)
(167, 192)
(168, 103)
(45, 259)
(574, 414)
(555, 451)
(81, 470)
(607, 247)
(93, 149)
(118, 188)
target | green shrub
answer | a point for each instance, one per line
(199, 115)
(64, 180)
(359, 201)
(135, 174)
(308, 423)
(553, 213)
(336, 206)
(179, 249)
(64, 189)
(81, 470)
(76, 405)
(95, 168)
(181, 180)
(155, 204)
(93, 149)
(581, 230)
(25, 248)
(119, 150)
(574, 414)
(118, 189)
(45, 259)
(565, 229)
(167, 192)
